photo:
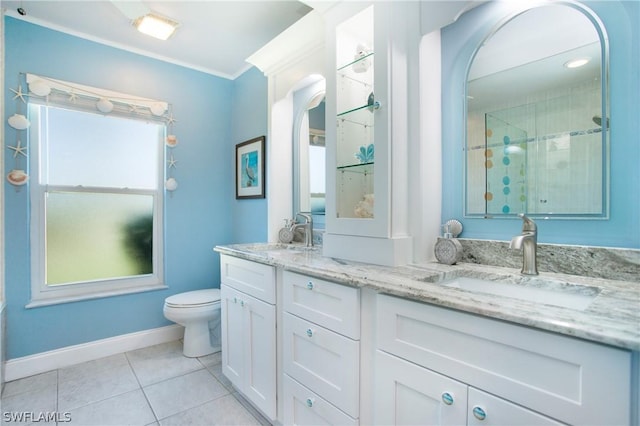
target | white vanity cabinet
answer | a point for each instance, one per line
(407, 393)
(321, 351)
(248, 315)
(439, 366)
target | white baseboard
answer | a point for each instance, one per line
(64, 357)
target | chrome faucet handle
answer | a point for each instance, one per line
(307, 216)
(528, 224)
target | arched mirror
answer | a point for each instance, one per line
(537, 117)
(309, 152)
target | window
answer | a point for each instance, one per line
(96, 204)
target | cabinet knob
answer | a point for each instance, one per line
(447, 398)
(479, 413)
(235, 300)
(309, 332)
(310, 285)
(310, 402)
(242, 303)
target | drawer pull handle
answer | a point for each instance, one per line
(447, 398)
(309, 332)
(479, 413)
(310, 402)
(310, 285)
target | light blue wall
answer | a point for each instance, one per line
(249, 112)
(622, 22)
(198, 215)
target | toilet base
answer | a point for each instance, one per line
(197, 341)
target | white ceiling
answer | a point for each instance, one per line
(214, 36)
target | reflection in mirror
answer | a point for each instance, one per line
(536, 136)
(309, 184)
(317, 157)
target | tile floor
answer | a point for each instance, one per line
(149, 386)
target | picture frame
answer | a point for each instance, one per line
(250, 169)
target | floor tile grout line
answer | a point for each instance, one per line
(146, 398)
(199, 405)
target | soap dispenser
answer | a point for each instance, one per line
(448, 249)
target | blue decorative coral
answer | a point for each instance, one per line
(365, 155)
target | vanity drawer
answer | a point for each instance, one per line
(326, 362)
(304, 407)
(256, 279)
(331, 305)
(575, 381)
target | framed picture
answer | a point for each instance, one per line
(250, 168)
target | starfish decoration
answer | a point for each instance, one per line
(172, 162)
(18, 149)
(171, 120)
(19, 94)
(72, 96)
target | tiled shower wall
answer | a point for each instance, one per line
(545, 119)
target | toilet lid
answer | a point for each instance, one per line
(194, 298)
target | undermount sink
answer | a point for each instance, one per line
(532, 289)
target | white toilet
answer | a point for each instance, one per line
(199, 312)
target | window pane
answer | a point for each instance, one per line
(97, 236)
(95, 150)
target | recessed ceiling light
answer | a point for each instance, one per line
(576, 63)
(156, 26)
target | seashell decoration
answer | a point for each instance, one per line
(39, 88)
(171, 184)
(18, 122)
(454, 226)
(157, 109)
(104, 105)
(17, 177)
(172, 140)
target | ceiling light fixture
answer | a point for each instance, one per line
(576, 63)
(156, 26)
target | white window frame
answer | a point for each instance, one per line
(41, 294)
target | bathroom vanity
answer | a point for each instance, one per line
(367, 344)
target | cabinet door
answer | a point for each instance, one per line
(485, 410)
(249, 347)
(407, 394)
(233, 336)
(260, 354)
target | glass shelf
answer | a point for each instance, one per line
(356, 61)
(365, 168)
(370, 108)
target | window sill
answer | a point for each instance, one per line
(36, 303)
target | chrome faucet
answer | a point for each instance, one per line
(528, 242)
(307, 227)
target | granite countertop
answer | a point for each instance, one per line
(612, 317)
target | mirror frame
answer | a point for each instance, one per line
(605, 109)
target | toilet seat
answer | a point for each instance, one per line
(194, 299)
